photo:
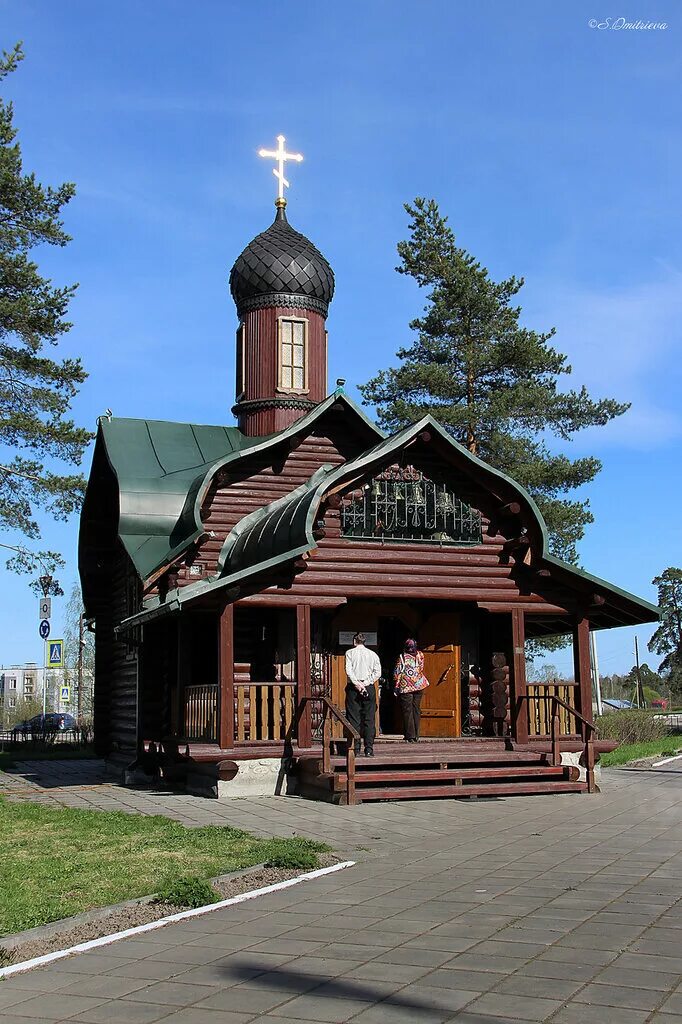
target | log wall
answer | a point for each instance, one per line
(344, 568)
(116, 665)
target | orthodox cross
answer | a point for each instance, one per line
(280, 155)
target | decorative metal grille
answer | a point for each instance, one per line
(400, 503)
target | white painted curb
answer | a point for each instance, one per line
(105, 940)
(667, 760)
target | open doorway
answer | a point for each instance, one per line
(392, 634)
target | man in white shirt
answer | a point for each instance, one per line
(363, 669)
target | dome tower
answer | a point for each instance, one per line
(282, 286)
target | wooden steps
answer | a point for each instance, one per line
(453, 774)
(436, 771)
(434, 792)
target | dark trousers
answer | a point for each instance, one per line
(410, 705)
(361, 713)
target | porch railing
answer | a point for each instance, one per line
(263, 711)
(588, 731)
(539, 710)
(201, 713)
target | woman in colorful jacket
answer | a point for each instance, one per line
(410, 683)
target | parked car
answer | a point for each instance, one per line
(660, 703)
(51, 722)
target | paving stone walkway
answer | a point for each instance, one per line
(559, 908)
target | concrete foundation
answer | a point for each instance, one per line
(573, 757)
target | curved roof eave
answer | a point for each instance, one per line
(310, 495)
(202, 483)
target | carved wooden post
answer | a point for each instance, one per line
(226, 675)
(305, 737)
(582, 668)
(518, 688)
(556, 745)
(350, 770)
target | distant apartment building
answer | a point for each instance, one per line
(20, 683)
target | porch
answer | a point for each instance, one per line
(279, 697)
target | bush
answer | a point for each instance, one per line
(631, 726)
(294, 859)
(187, 891)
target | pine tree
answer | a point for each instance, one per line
(490, 381)
(37, 440)
(667, 640)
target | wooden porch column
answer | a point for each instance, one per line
(305, 736)
(226, 676)
(582, 666)
(518, 681)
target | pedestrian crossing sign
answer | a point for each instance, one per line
(55, 654)
(65, 694)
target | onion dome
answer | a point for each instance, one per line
(281, 267)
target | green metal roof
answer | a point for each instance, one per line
(157, 464)
(164, 470)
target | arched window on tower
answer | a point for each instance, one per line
(241, 359)
(293, 354)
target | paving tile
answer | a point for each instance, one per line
(510, 1007)
(613, 995)
(521, 984)
(121, 1011)
(104, 986)
(644, 962)
(580, 1013)
(474, 981)
(415, 957)
(422, 996)
(324, 1008)
(671, 1005)
(578, 955)
(637, 979)
(10, 995)
(383, 1013)
(175, 993)
(244, 999)
(193, 1015)
(399, 974)
(151, 970)
(46, 1005)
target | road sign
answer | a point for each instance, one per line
(45, 608)
(55, 654)
(65, 694)
(44, 629)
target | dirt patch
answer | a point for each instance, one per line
(135, 913)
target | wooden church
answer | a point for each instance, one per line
(227, 568)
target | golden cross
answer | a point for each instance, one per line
(280, 155)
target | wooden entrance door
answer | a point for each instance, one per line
(441, 703)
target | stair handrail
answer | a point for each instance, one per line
(588, 731)
(351, 736)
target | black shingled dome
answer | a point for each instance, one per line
(279, 267)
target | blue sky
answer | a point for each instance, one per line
(553, 147)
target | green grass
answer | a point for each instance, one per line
(667, 746)
(55, 862)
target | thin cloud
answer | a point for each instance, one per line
(621, 342)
